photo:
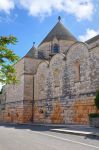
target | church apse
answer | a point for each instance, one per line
(58, 81)
(47, 101)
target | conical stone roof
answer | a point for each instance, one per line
(31, 53)
(60, 32)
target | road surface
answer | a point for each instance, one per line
(26, 137)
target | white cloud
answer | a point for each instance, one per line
(81, 9)
(89, 34)
(6, 5)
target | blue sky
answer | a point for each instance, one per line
(31, 20)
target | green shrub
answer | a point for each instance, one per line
(97, 100)
(93, 115)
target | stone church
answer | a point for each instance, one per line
(57, 81)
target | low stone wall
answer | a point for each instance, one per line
(48, 112)
(57, 111)
(12, 112)
(28, 111)
(81, 110)
(17, 112)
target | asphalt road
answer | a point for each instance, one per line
(23, 137)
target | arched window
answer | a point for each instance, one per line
(77, 71)
(55, 48)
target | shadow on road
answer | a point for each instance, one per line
(31, 127)
(43, 128)
(93, 137)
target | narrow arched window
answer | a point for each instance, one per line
(55, 48)
(77, 71)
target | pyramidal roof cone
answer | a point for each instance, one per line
(60, 32)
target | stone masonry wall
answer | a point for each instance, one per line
(59, 98)
(12, 112)
(94, 65)
(30, 68)
(45, 48)
(15, 92)
(60, 90)
(17, 99)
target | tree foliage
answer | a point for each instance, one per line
(7, 60)
(97, 100)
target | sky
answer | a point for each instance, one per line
(31, 20)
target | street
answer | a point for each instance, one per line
(27, 137)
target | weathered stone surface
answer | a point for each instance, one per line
(57, 88)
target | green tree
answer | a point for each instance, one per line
(97, 100)
(7, 60)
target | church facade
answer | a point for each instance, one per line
(57, 81)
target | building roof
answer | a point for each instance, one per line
(92, 39)
(30, 53)
(60, 32)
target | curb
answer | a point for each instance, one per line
(35, 124)
(75, 132)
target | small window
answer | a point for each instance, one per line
(77, 71)
(55, 48)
